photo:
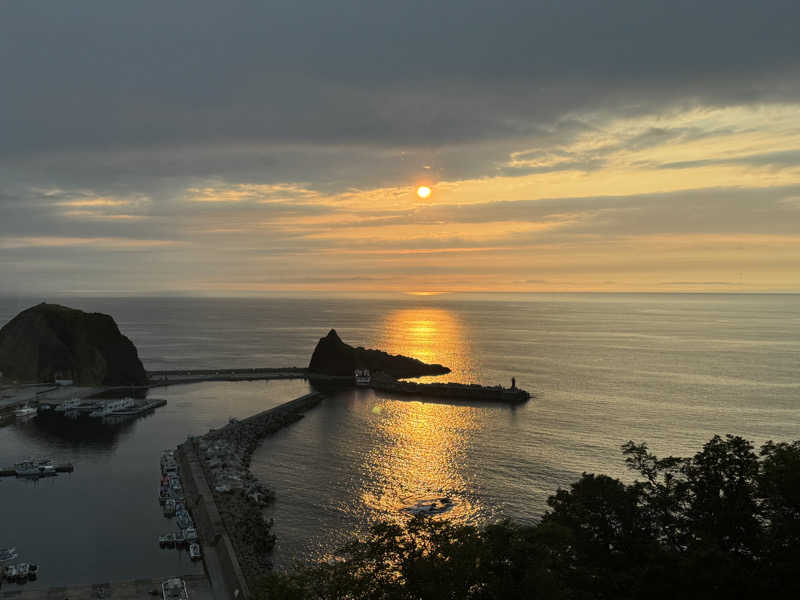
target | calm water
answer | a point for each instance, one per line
(669, 369)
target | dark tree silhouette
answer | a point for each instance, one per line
(724, 523)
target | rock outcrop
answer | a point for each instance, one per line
(48, 342)
(333, 357)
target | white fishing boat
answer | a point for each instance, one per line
(174, 589)
(7, 554)
(27, 468)
(194, 551)
(69, 405)
(11, 572)
(107, 408)
(362, 377)
(24, 411)
(190, 534)
(430, 507)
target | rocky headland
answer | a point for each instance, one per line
(332, 357)
(48, 342)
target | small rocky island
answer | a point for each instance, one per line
(332, 357)
(334, 361)
(50, 342)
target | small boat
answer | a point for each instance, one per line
(69, 405)
(22, 571)
(7, 554)
(107, 408)
(190, 534)
(362, 377)
(163, 540)
(33, 571)
(46, 468)
(174, 589)
(430, 507)
(24, 411)
(194, 551)
(11, 573)
(27, 468)
(184, 521)
(180, 539)
(169, 508)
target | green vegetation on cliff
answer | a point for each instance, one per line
(724, 523)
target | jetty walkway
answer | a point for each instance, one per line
(170, 377)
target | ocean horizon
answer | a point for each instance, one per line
(671, 370)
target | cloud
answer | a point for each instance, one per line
(623, 141)
(99, 243)
(700, 283)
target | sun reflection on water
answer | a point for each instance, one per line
(419, 448)
(419, 456)
(433, 335)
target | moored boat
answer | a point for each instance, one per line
(24, 411)
(7, 554)
(194, 551)
(362, 377)
(107, 408)
(169, 508)
(174, 589)
(69, 405)
(26, 468)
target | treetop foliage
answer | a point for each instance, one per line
(722, 523)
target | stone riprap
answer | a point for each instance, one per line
(239, 497)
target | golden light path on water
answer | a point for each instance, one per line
(433, 335)
(419, 448)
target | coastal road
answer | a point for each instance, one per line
(197, 586)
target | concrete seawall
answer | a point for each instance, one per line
(227, 520)
(223, 567)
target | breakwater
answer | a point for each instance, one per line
(12, 471)
(175, 376)
(226, 500)
(453, 391)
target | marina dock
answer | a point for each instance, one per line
(11, 472)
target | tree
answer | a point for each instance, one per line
(722, 523)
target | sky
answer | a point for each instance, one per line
(227, 148)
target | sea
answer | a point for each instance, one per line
(671, 370)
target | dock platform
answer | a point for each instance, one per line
(11, 472)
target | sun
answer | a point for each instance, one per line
(423, 191)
